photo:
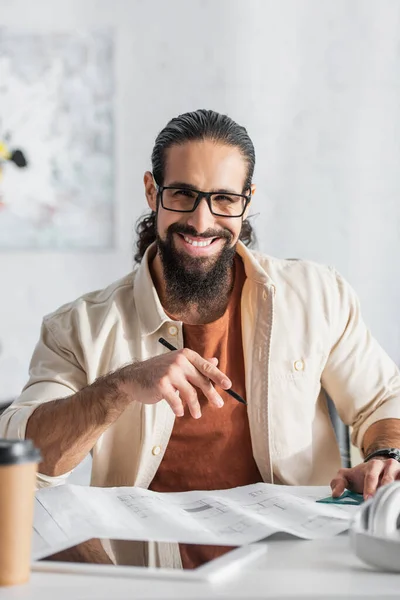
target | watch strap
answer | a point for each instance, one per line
(387, 452)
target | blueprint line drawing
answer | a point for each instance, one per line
(269, 505)
(207, 508)
(142, 507)
(238, 527)
(256, 493)
(315, 522)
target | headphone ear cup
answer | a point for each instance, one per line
(384, 511)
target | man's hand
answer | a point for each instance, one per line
(365, 478)
(66, 429)
(174, 377)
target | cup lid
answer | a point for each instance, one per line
(18, 451)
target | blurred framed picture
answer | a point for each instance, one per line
(56, 140)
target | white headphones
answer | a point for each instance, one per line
(375, 530)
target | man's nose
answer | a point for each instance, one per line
(202, 218)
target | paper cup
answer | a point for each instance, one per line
(18, 467)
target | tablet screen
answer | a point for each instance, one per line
(140, 554)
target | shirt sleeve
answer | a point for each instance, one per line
(54, 373)
(361, 379)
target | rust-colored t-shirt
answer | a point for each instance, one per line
(213, 452)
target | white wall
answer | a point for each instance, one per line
(317, 84)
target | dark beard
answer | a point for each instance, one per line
(203, 282)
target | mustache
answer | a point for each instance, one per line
(189, 230)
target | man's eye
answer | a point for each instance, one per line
(225, 198)
(186, 193)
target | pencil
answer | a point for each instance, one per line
(230, 392)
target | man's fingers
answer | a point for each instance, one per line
(188, 371)
(213, 360)
(371, 479)
(207, 369)
(189, 396)
(338, 485)
(172, 396)
(208, 389)
(365, 478)
(179, 394)
(206, 386)
(390, 471)
(210, 392)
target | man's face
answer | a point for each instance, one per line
(194, 273)
(205, 166)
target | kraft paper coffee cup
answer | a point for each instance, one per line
(18, 466)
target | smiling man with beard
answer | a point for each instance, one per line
(193, 269)
(279, 332)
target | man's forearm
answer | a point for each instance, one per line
(382, 434)
(65, 430)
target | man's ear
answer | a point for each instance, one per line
(253, 191)
(150, 190)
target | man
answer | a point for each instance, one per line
(279, 333)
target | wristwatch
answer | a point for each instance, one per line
(387, 452)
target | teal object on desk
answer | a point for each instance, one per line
(347, 497)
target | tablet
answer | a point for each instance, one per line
(146, 559)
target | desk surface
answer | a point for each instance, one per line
(290, 569)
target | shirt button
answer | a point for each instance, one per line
(265, 294)
(299, 365)
(173, 330)
(156, 450)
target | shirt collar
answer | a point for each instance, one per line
(252, 266)
(149, 308)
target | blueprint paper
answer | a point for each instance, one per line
(68, 514)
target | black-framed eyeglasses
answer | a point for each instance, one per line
(186, 200)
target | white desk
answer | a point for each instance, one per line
(290, 569)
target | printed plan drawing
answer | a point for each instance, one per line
(73, 513)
